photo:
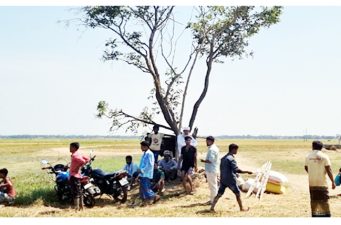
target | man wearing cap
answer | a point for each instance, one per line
(188, 163)
(156, 140)
(181, 141)
(168, 166)
(146, 170)
(211, 167)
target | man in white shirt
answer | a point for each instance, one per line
(181, 141)
(211, 167)
(156, 140)
(318, 166)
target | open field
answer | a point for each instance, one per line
(36, 195)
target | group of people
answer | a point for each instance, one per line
(185, 163)
(153, 173)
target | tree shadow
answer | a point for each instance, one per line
(46, 195)
(206, 211)
(335, 196)
(210, 213)
(195, 205)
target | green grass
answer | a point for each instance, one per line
(112, 163)
(35, 187)
(22, 158)
(288, 166)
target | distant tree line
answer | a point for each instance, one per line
(261, 137)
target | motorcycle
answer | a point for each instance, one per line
(63, 187)
(113, 184)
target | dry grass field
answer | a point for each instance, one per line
(36, 197)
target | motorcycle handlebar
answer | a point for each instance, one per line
(46, 168)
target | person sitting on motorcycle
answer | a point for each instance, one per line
(7, 191)
(132, 169)
(77, 162)
(168, 166)
(158, 181)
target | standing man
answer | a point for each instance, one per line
(156, 141)
(188, 162)
(211, 167)
(181, 141)
(77, 162)
(317, 165)
(228, 177)
(146, 174)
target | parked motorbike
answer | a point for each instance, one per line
(113, 184)
(63, 188)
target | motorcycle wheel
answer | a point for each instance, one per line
(88, 200)
(122, 197)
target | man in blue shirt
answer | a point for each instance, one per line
(146, 174)
(228, 177)
(131, 169)
(168, 166)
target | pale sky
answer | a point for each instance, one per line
(52, 77)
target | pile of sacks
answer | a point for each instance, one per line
(276, 183)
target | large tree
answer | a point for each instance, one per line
(145, 37)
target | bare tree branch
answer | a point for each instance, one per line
(133, 118)
(186, 88)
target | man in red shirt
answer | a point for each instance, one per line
(7, 191)
(77, 161)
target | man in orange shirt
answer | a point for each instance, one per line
(77, 161)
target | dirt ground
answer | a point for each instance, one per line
(174, 203)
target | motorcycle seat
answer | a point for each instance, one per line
(100, 173)
(110, 175)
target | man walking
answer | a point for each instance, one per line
(77, 161)
(228, 177)
(317, 165)
(211, 167)
(146, 174)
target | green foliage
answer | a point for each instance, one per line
(224, 31)
(102, 15)
(102, 108)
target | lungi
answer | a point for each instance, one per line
(319, 202)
